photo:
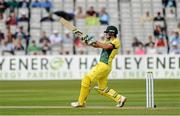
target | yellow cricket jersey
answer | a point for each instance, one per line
(108, 55)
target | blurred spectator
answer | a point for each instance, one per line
(65, 15)
(164, 3)
(91, 12)
(169, 8)
(79, 13)
(19, 46)
(3, 7)
(177, 29)
(36, 4)
(12, 19)
(67, 42)
(91, 17)
(45, 47)
(174, 48)
(103, 17)
(8, 46)
(159, 17)
(77, 42)
(171, 36)
(169, 3)
(150, 41)
(128, 52)
(55, 38)
(140, 50)
(1, 36)
(171, 14)
(80, 48)
(136, 42)
(176, 39)
(21, 33)
(56, 43)
(146, 18)
(159, 20)
(157, 31)
(47, 5)
(150, 49)
(33, 48)
(44, 38)
(12, 4)
(8, 30)
(49, 18)
(67, 38)
(24, 4)
(45, 43)
(161, 42)
(23, 17)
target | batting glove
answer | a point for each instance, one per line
(77, 32)
(90, 40)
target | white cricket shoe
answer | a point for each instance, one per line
(121, 102)
(76, 104)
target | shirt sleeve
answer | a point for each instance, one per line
(115, 43)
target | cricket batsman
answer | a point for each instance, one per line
(99, 73)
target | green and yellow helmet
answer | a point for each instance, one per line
(111, 29)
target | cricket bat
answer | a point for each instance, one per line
(84, 37)
(70, 27)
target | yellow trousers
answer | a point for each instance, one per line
(98, 74)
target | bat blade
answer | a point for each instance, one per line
(67, 24)
(74, 29)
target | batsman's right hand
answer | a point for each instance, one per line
(89, 40)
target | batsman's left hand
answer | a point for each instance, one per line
(91, 40)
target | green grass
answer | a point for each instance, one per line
(54, 98)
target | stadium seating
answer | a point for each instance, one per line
(126, 15)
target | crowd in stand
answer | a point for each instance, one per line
(20, 40)
(15, 38)
(162, 41)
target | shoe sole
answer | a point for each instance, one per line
(78, 106)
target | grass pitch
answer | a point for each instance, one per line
(54, 98)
